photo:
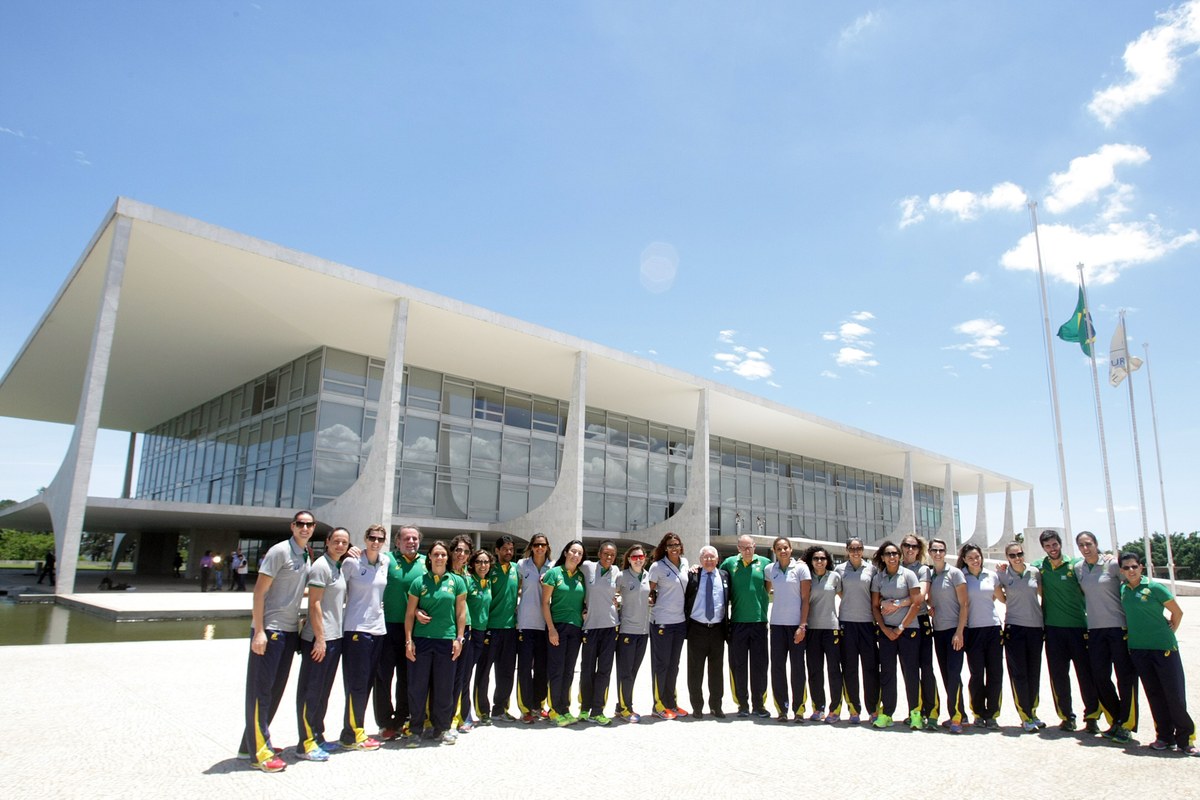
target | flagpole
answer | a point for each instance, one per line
(1112, 517)
(1162, 491)
(1055, 413)
(1137, 453)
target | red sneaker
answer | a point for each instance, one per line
(273, 764)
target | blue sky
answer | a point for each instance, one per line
(823, 204)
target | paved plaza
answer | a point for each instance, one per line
(164, 719)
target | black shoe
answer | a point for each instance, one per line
(762, 713)
(1067, 725)
(697, 714)
(1091, 726)
(718, 713)
(743, 713)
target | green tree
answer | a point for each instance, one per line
(96, 546)
(24, 545)
(1184, 548)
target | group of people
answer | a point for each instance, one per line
(212, 570)
(425, 634)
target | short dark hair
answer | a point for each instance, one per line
(1128, 554)
(1048, 536)
(296, 516)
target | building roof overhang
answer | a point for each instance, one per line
(203, 309)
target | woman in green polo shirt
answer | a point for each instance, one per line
(1154, 651)
(563, 592)
(479, 603)
(432, 647)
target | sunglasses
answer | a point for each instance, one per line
(936, 550)
(376, 538)
(1018, 554)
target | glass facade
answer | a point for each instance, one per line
(299, 435)
(635, 471)
(757, 490)
(251, 446)
(471, 450)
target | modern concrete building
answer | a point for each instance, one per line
(215, 352)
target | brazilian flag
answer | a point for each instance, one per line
(1079, 327)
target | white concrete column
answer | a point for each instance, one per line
(945, 531)
(371, 498)
(1006, 534)
(908, 510)
(980, 535)
(66, 496)
(561, 516)
(690, 522)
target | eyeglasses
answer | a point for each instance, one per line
(637, 558)
(460, 549)
(936, 550)
(892, 554)
(299, 524)
(819, 558)
(674, 545)
(376, 538)
(1130, 567)
(854, 549)
(1018, 554)
(908, 546)
(540, 544)
(479, 561)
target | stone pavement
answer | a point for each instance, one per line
(164, 718)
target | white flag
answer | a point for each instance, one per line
(1120, 363)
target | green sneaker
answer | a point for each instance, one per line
(600, 719)
(882, 721)
(585, 716)
(914, 721)
(1121, 735)
(563, 720)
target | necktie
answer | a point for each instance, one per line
(709, 608)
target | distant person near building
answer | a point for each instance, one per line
(206, 570)
(48, 568)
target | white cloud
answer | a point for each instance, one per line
(966, 205)
(825, 373)
(1105, 250)
(852, 32)
(81, 159)
(1087, 176)
(854, 357)
(745, 362)
(852, 335)
(852, 331)
(1152, 63)
(12, 132)
(911, 211)
(962, 204)
(972, 277)
(983, 338)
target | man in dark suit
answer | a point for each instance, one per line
(706, 605)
